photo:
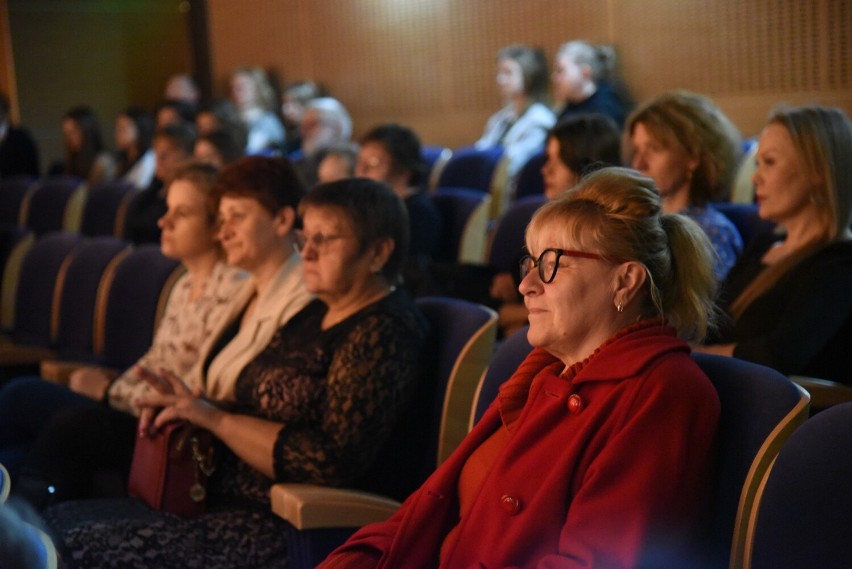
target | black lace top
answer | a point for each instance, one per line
(338, 392)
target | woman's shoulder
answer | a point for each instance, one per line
(397, 313)
(541, 114)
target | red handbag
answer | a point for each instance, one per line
(170, 469)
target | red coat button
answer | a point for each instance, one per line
(510, 504)
(575, 404)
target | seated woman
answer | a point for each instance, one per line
(257, 199)
(575, 146)
(85, 154)
(788, 296)
(217, 147)
(598, 450)
(199, 301)
(391, 153)
(136, 163)
(690, 149)
(255, 99)
(584, 82)
(520, 127)
(316, 405)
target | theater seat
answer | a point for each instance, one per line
(803, 514)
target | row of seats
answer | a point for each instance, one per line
(65, 203)
(768, 509)
(68, 297)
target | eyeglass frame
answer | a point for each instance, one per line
(525, 261)
(318, 240)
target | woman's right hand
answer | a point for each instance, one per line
(91, 382)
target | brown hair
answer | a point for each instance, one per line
(696, 124)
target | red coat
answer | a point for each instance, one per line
(607, 469)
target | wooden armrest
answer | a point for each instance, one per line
(59, 371)
(309, 506)
(824, 393)
(12, 354)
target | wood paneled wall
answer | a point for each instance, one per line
(431, 63)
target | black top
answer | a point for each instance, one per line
(604, 101)
(149, 205)
(802, 325)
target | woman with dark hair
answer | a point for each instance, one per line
(520, 127)
(575, 146)
(391, 153)
(318, 404)
(218, 147)
(788, 296)
(134, 131)
(85, 156)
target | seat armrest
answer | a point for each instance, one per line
(58, 371)
(824, 392)
(309, 506)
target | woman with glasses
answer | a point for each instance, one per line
(320, 403)
(597, 451)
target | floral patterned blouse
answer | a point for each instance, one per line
(185, 326)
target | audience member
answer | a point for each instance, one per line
(221, 114)
(172, 145)
(18, 150)
(325, 122)
(173, 112)
(218, 148)
(583, 82)
(85, 156)
(690, 148)
(520, 127)
(182, 87)
(336, 162)
(788, 296)
(196, 309)
(317, 405)
(255, 99)
(136, 162)
(294, 103)
(391, 153)
(575, 146)
(583, 437)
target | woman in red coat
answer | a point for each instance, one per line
(597, 451)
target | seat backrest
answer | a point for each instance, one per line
(435, 157)
(509, 354)
(74, 322)
(471, 168)
(13, 193)
(746, 219)
(760, 407)
(530, 182)
(36, 295)
(743, 189)
(803, 515)
(507, 244)
(131, 299)
(54, 205)
(105, 208)
(464, 223)
(463, 335)
(15, 241)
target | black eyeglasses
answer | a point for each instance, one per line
(548, 262)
